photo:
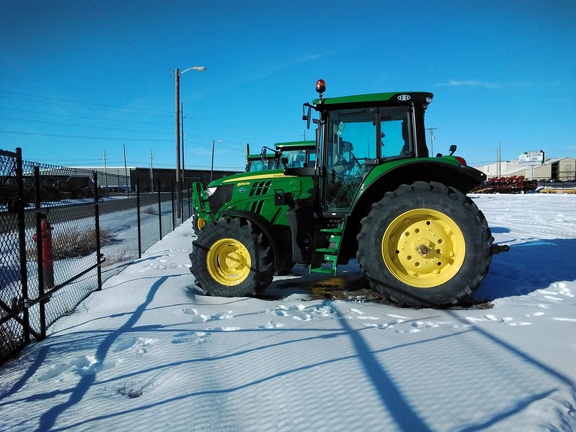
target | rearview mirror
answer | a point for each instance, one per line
(306, 115)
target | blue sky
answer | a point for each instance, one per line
(80, 78)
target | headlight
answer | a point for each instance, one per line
(211, 190)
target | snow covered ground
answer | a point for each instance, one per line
(150, 352)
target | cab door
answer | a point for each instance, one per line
(351, 137)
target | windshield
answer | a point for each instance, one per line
(299, 158)
(257, 164)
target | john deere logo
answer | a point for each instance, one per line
(404, 97)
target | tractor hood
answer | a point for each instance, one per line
(235, 178)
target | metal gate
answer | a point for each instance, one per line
(54, 232)
(15, 330)
(38, 284)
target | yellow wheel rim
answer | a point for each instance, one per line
(228, 262)
(423, 248)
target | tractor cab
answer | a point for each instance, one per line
(257, 163)
(291, 154)
(355, 134)
(297, 154)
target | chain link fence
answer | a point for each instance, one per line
(62, 236)
(12, 287)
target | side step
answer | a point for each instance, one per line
(328, 256)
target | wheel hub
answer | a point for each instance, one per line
(423, 248)
(228, 261)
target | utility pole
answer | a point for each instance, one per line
(431, 140)
(105, 174)
(177, 108)
(212, 165)
(177, 74)
(498, 160)
(183, 176)
(126, 172)
(151, 173)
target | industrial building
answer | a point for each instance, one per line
(562, 169)
(115, 179)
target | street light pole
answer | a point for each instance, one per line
(177, 74)
(212, 166)
(183, 171)
(182, 116)
(177, 98)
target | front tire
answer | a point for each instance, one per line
(197, 224)
(425, 245)
(231, 259)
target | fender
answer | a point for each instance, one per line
(381, 180)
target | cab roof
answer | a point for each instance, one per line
(290, 145)
(390, 98)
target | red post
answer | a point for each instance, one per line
(47, 253)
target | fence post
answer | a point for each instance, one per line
(159, 211)
(138, 218)
(173, 210)
(45, 259)
(38, 198)
(22, 243)
(40, 240)
(97, 227)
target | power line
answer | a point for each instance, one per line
(123, 37)
(245, 133)
(82, 137)
(79, 104)
(78, 117)
(85, 126)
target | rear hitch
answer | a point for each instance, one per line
(496, 249)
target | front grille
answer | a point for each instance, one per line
(222, 195)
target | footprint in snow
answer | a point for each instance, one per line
(223, 315)
(227, 329)
(271, 325)
(196, 316)
(509, 321)
(54, 371)
(564, 319)
(302, 312)
(535, 314)
(418, 326)
(83, 365)
(401, 325)
(138, 345)
(190, 337)
(360, 315)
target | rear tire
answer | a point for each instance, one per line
(231, 259)
(425, 245)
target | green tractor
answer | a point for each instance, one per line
(256, 162)
(292, 154)
(373, 194)
(296, 154)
